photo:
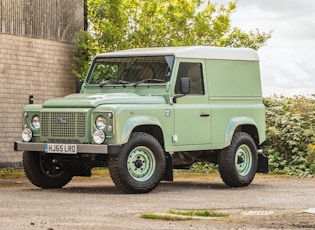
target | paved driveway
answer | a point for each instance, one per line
(270, 202)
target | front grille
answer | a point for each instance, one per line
(63, 125)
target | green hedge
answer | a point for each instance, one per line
(290, 141)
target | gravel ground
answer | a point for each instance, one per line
(270, 202)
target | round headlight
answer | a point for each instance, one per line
(99, 137)
(36, 122)
(100, 122)
(27, 135)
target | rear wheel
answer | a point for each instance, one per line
(140, 165)
(45, 171)
(238, 162)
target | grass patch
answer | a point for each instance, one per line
(164, 217)
(11, 173)
(204, 213)
(99, 171)
(180, 174)
(173, 215)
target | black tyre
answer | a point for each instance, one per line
(238, 162)
(45, 171)
(140, 165)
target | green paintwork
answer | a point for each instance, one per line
(232, 98)
(95, 100)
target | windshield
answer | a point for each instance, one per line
(128, 70)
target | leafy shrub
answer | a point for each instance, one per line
(311, 158)
(290, 134)
(203, 167)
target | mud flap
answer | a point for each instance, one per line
(168, 175)
(263, 164)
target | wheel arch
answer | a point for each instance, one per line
(153, 130)
(243, 124)
(145, 124)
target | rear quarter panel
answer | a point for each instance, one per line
(235, 95)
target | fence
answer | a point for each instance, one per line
(50, 19)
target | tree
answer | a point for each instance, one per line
(122, 24)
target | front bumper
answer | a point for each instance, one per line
(81, 148)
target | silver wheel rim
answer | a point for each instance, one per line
(141, 163)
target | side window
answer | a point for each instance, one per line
(193, 71)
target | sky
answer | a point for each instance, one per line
(287, 62)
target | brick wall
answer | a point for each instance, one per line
(29, 66)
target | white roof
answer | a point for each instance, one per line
(200, 52)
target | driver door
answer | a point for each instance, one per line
(192, 111)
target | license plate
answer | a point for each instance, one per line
(61, 148)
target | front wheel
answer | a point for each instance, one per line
(140, 165)
(238, 162)
(45, 171)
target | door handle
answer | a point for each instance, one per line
(204, 115)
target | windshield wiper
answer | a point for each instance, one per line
(154, 80)
(113, 81)
(105, 83)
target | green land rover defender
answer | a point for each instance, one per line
(144, 112)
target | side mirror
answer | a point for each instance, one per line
(185, 85)
(78, 85)
(184, 88)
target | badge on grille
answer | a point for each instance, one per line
(62, 120)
